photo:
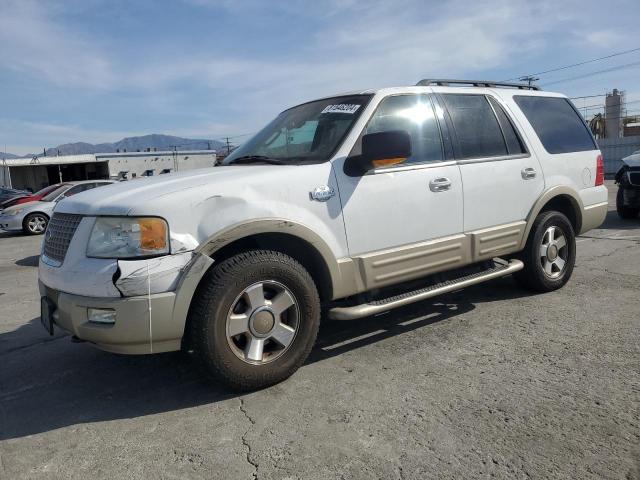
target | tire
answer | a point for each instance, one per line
(35, 223)
(547, 230)
(229, 300)
(624, 212)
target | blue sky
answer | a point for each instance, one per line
(95, 71)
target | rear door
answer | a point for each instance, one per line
(502, 178)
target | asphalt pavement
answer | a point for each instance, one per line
(487, 382)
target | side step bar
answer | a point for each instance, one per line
(379, 306)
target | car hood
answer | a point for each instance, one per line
(30, 207)
(632, 160)
(150, 196)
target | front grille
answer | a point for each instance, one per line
(58, 236)
(634, 178)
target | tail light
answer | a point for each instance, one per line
(599, 171)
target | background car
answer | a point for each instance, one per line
(11, 193)
(24, 196)
(628, 180)
(33, 217)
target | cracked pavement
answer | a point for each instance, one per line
(490, 381)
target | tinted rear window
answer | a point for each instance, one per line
(476, 126)
(557, 124)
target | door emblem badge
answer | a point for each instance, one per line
(322, 194)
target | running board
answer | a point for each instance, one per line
(386, 304)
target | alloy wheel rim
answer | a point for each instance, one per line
(262, 322)
(554, 251)
(37, 224)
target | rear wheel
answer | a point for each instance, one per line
(624, 211)
(35, 224)
(254, 319)
(550, 253)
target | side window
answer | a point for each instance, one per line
(515, 145)
(557, 124)
(476, 126)
(414, 114)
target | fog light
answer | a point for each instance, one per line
(101, 315)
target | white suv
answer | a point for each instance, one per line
(358, 204)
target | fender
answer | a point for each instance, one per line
(342, 272)
(545, 198)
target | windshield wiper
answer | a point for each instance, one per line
(257, 159)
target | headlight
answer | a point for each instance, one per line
(128, 237)
(15, 212)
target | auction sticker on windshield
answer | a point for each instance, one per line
(341, 108)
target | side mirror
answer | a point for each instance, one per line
(382, 149)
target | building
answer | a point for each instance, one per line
(38, 172)
(617, 132)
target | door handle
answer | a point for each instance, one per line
(528, 173)
(440, 184)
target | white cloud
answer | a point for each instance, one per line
(605, 38)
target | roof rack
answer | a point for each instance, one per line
(443, 82)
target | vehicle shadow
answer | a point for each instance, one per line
(8, 234)
(613, 222)
(51, 383)
(31, 261)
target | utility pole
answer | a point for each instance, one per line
(228, 146)
(175, 157)
(529, 79)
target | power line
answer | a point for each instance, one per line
(564, 67)
(594, 107)
(627, 115)
(587, 96)
(590, 74)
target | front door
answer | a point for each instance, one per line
(405, 221)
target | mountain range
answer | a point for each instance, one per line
(129, 144)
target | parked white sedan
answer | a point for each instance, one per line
(32, 217)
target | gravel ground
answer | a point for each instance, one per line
(487, 382)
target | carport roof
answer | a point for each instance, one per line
(61, 160)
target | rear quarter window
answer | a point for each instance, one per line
(557, 123)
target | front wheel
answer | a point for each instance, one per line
(35, 224)
(550, 253)
(624, 212)
(254, 319)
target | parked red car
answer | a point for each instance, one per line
(34, 197)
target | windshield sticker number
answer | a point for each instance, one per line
(341, 108)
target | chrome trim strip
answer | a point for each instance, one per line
(492, 159)
(367, 309)
(415, 166)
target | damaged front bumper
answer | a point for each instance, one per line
(142, 324)
(147, 299)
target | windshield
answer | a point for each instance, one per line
(46, 190)
(54, 194)
(307, 133)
